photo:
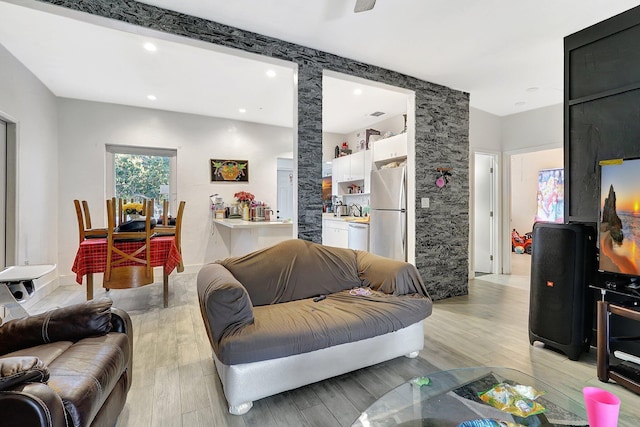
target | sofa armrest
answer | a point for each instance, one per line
(388, 275)
(224, 303)
(120, 321)
(32, 404)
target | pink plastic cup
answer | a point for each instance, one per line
(602, 407)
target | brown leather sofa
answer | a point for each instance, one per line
(67, 367)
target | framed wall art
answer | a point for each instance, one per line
(229, 170)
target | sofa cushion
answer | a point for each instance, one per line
(294, 270)
(302, 326)
(86, 373)
(63, 324)
(45, 352)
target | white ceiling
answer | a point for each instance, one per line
(507, 54)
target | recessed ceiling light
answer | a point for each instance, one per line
(242, 110)
(519, 103)
(151, 97)
(150, 47)
(532, 89)
(357, 91)
(271, 73)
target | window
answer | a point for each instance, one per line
(137, 173)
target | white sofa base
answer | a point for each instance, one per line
(246, 382)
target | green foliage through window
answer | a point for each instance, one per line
(140, 176)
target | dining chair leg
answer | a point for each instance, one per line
(89, 286)
(165, 288)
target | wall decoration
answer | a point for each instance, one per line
(229, 170)
(444, 174)
(550, 196)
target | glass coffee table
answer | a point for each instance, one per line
(448, 398)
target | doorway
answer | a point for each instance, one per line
(485, 240)
(523, 168)
(285, 190)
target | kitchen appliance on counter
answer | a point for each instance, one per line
(340, 209)
(388, 222)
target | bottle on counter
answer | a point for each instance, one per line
(245, 212)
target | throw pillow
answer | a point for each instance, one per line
(18, 370)
(63, 324)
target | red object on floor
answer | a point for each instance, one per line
(519, 240)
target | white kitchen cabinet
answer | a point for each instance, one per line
(356, 166)
(349, 168)
(391, 148)
(335, 233)
(339, 169)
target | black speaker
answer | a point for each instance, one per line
(562, 266)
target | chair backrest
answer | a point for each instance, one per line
(179, 225)
(165, 212)
(85, 231)
(87, 215)
(117, 275)
(173, 230)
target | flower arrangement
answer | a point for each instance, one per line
(132, 208)
(244, 197)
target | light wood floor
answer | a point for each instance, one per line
(175, 384)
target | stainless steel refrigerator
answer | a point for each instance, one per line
(388, 222)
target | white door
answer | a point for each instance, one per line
(3, 192)
(285, 194)
(484, 215)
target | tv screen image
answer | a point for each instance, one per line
(620, 217)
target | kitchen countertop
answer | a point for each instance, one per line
(358, 219)
(239, 223)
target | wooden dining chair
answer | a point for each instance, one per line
(85, 230)
(116, 275)
(173, 230)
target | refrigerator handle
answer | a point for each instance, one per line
(403, 228)
(403, 190)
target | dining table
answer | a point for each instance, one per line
(92, 258)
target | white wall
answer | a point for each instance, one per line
(329, 142)
(485, 131)
(25, 101)
(86, 127)
(542, 127)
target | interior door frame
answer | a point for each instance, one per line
(11, 192)
(496, 242)
(506, 207)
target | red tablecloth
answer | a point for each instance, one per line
(92, 255)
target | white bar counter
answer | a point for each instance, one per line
(242, 237)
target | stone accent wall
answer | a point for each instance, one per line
(442, 135)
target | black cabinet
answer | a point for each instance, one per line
(624, 372)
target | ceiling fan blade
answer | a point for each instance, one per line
(364, 5)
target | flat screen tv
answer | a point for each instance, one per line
(619, 225)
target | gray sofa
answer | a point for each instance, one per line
(270, 332)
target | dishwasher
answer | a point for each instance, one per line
(359, 236)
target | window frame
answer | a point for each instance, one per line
(172, 154)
